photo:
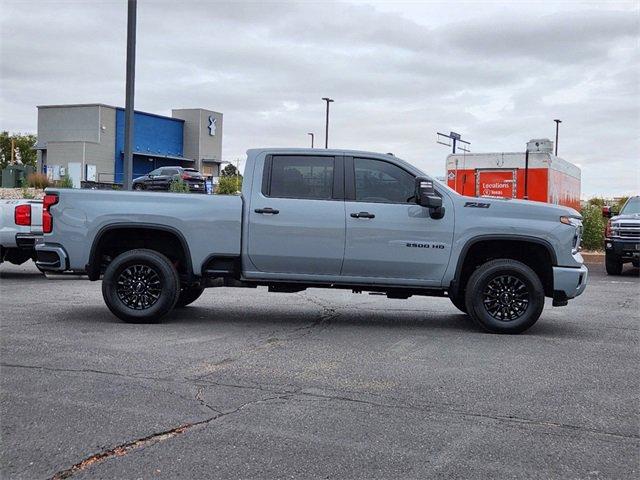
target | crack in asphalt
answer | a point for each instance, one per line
(79, 370)
(149, 440)
(199, 397)
(433, 409)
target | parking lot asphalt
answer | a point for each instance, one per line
(318, 384)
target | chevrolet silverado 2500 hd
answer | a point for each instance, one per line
(320, 218)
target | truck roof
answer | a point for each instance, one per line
(335, 151)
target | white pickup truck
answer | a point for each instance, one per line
(20, 226)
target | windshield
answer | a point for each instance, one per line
(632, 206)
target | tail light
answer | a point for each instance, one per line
(607, 231)
(47, 219)
(186, 176)
(22, 215)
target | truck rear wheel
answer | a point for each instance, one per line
(613, 265)
(188, 296)
(140, 286)
(504, 296)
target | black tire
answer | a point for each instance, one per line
(139, 187)
(613, 265)
(504, 296)
(459, 302)
(140, 286)
(188, 296)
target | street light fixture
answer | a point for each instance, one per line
(558, 122)
(326, 128)
(312, 135)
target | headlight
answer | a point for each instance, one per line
(577, 237)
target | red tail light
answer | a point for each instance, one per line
(607, 231)
(47, 219)
(22, 215)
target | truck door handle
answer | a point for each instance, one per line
(270, 210)
(363, 215)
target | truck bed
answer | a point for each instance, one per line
(211, 223)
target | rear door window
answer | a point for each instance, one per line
(296, 176)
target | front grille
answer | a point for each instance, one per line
(626, 230)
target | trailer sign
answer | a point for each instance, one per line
(496, 183)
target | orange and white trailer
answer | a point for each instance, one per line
(547, 179)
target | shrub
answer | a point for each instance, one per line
(229, 185)
(27, 194)
(178, 185)
(64, 182)
(593, 224)
(38, 180)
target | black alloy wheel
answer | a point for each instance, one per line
(504, 296)
(140, 286)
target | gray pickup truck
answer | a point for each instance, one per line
(320, 219)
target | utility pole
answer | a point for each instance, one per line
(130, 90)
(456, 137)
(312, 135)
(558, 122)
(326, 128)
(13, 150)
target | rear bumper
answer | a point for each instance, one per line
(27, 241)
(568, 283)
(52, 257)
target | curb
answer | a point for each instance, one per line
(593, 256)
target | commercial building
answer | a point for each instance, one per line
(86, 142)
(545, 178)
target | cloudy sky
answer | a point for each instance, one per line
(497, 72)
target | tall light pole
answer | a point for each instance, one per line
(558, 122)
(312, 135)
(326, 128)
(130, 89)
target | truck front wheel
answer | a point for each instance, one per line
(140, 286)
(504, 296)
(612, 264)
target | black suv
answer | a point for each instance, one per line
(622, 236)
(161, 178)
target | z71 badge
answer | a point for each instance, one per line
(477, 204)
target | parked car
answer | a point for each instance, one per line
(161, 178)
(622, 236)
(20, 225)
(321, 218)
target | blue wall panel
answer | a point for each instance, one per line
(152, 135)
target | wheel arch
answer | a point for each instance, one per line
(93, 267)
(482, 248)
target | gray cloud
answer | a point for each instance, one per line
(399, 73)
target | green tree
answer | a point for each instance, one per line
(178, 185)
(23, 144)
(230, 171)
(229, 185)
(593, 224)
